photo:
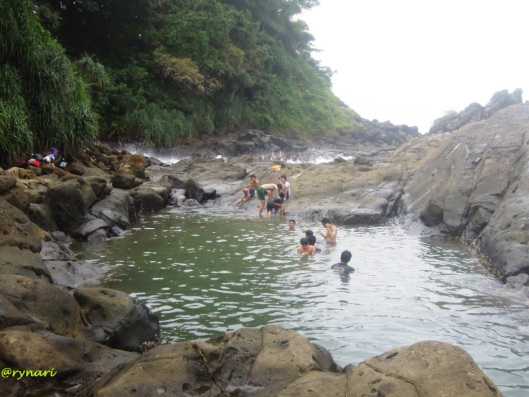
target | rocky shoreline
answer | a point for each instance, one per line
(469, 184)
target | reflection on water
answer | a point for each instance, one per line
(206, 274)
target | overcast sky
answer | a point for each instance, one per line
(411, 61)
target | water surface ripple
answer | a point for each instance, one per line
(205, 274)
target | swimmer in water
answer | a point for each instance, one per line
(343, 267)
(305, 249)
(309, 234)
(292, 225)
(330, 231)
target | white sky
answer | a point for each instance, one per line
(411, 61)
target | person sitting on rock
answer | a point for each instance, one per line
(305, 249)
(249, 191)
(343, 267)
(331, 231)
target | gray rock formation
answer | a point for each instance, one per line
(475, 184)
(475, 112)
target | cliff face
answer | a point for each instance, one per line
(474, 183)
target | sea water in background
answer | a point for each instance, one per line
(205, 274)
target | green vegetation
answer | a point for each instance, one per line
(159, 71)
(43, 102)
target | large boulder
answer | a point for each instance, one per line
(75, 362)
(70, 202)
(115, 319)
(17, 230)
(47, 305)
(194, 191)
(117, 208)
(99, 185)
(249, 362)
(42, 215)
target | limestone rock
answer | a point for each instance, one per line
(99, 186)
(148, 200)
(115, 319)
(42, 215)
(90, 227)
(47, 305)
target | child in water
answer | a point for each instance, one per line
(292, 225)
(305, 249)
(343, 267)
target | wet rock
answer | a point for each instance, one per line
(125, 181)
(98, 237)
(46, 304)
(363, 161)
(356, 217)
(70, 202)
(117, 208)
(90, 227)
(77, 362)
(42, 215)
(20, 262)
(518, 281)
(7, 183)
(17, 230)
(196, 192)
(432, 215)
(191, 203)
(172, 181)
(115, 319)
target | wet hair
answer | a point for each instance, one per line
(346, 257)
(309, 233)
(311, 238)
(292, 221)
(304, 241)
(325, 221)
(252, 176)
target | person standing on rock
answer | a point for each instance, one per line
(331, 231)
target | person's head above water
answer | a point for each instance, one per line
(325, 221)
(346, 257)
(309, 233)
(292, 222)
(304, 242)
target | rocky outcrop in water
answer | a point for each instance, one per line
(475, 112)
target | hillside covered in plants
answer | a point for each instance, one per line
(158, 71)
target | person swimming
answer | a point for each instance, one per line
(305, 249)
(292, 225)
(309, 234)
(343, 267)
(331, 231)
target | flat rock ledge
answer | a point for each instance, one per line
(274, 362)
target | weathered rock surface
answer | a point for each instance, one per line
(114, 319)
(14, 260)
(17, 230)
(117, 208)
(76, 362)
(7, 183)
(273, 362)
(125, 181)
(47, 305)
(475, 185)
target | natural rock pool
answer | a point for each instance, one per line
(205, 274)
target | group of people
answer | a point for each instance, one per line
(308, 244)
(272, 197)
(51, 159)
